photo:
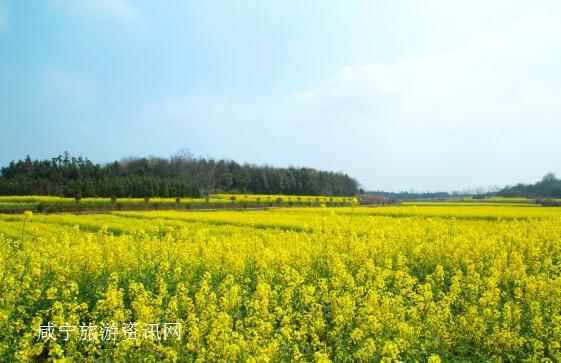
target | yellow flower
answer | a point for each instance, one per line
(27, 215)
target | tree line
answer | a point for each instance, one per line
(405, 196)
(548, 187)
(181, 175)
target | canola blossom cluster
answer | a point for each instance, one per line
(412, 283)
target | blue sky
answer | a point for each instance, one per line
(431, 95)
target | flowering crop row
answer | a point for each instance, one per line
(50, 203)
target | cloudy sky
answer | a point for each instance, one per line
(408, 94)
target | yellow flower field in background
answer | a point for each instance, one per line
(58, 204)
(273, 198)
(410, 283)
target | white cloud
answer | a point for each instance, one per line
(122, 10)
(500, 81)
(466, 80)
(447, 120)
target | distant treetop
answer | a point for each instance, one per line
(181, 175)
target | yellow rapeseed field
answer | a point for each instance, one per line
(425, 283)
(50, 203)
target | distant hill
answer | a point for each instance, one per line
(179, 176)
(548, 187)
